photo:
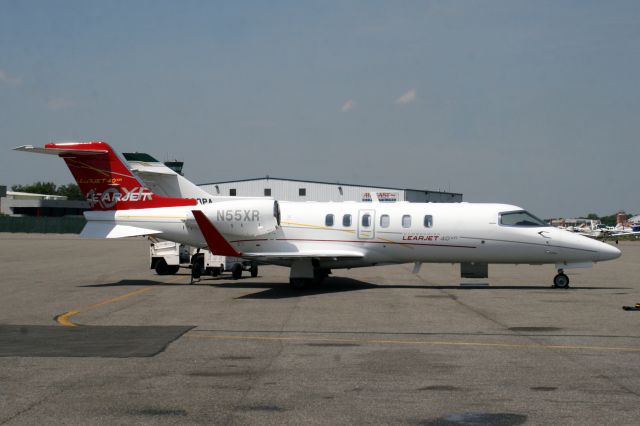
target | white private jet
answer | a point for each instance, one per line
(603, 231)
(312, 237)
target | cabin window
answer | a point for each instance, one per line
(384, 221)
(346, 220)
(406, 221)
(428, 221)
(328, 220)
(520, 218)
(366, 220)
(267, 192)
(302, 192)
(232, 192)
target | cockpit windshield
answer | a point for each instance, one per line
(520, 218)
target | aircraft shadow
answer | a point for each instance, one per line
(343, 284)
(282, 290)
(206, 280)
(127, 283)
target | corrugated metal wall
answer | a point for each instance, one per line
(289, 190)
(47, 225)
(432, 196)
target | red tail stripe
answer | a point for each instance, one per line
(216, 242)
(105, 180)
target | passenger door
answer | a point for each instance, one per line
(366, 224)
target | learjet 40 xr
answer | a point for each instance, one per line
(312, 238)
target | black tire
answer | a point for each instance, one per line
(561, 281)
(319, 275)
(236, 271)
(197, 266)
(254, 270)
(161, 267)
(215, 272)
(173, 269)
(298, 283)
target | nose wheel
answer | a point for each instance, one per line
(561, 280)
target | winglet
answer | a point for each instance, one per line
(216, 242)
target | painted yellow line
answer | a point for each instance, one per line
(65, 319)
(324, 228)
(415, 342)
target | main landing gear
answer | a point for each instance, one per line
(561, 280)
(319, 275)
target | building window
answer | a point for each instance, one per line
(328, 220)
(428, 221)
(346, 220)
(384, 221)
(267, 192)
(366, 220)
(406, 221)
(232, 192)
(302, 192)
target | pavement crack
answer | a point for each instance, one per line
(254, 379)
(33, 405)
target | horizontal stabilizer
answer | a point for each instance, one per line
(111, 230)
(59, 150)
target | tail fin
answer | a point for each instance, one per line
(163, 180)
(103, 178)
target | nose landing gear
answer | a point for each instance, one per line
(561, 280)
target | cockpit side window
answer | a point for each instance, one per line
(520, 218)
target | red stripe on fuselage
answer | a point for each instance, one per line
(215, 240)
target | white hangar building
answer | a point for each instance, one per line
(305, 190)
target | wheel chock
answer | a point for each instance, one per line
(636, 307)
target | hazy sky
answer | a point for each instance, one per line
(532, 103)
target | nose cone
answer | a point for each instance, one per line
(588, 249)
(608, 252)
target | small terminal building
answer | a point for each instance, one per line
(307, 190)
(26, 204)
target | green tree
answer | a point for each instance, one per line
(593, 216)
(48, 188)
(609, 220)
(71, 191)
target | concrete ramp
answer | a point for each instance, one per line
(87, 341)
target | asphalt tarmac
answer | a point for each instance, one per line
(90, 335)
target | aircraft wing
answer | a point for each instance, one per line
(318, 254)
(94, 229)
(220, 246)
(623, 234)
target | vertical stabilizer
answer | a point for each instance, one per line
(162, 179)
(103, 178)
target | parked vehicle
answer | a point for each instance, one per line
(168, 257)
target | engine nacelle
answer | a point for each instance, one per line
(245, 218)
